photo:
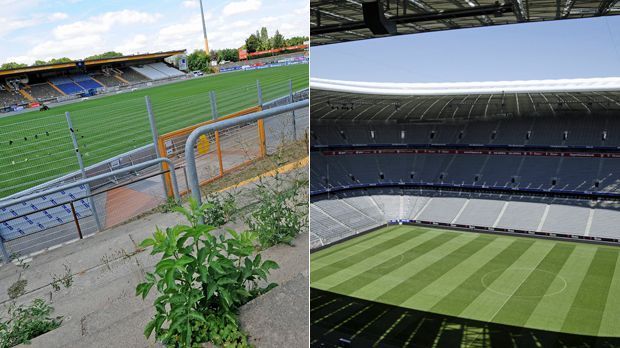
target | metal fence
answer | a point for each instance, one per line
(192, 143)
(128, 192)
(36, 148)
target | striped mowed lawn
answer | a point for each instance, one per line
(541, 284)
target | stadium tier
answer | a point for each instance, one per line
(43, 92)
(24, 87)
(86, 82)
(517, 157)
(349, 213)
(157, 71)
(132, 76)
(108, 81)
(10, 98)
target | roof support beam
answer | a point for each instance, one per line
(375, 20)
(489, 10)
(605, 6)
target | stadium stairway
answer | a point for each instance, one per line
(26, 95)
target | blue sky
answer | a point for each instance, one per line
(45, 29)
(551, 50)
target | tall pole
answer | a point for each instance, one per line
(91, 201)
(204, 28)
(149, 110)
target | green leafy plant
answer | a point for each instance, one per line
(201, 281)
(277, 218)
(26, 322)
(219, 210)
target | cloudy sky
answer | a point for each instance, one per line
(45, 29)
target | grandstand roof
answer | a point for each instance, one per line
(365, 101)
(334, 21)
(93, 62)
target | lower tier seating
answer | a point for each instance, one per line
(351, 212)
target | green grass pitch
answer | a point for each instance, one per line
(541, 284)
(36, 146)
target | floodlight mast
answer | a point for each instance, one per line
(204, 28)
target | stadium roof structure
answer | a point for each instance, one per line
(87, 63)
(334, 21)
(409, 102)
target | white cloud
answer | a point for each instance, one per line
(190, 4)
(134, 45)
(76, 47)
(11, 24)
(28, 36)
(237, 7)
(104, 23)
(58, 16)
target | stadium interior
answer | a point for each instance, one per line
(518, 162)
(27, 87)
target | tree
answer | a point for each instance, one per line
(198, 60)
(278, 40)
(296, 40)
(265, 43)
(39, 62)
(215, 55)
(110, 54)
(252, 43)
(12, 65)
(229, 54)
(60, 60)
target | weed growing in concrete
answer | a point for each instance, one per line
(219, 209)
(278, 217)
(202, 280)
(26, 322)
(19, 287)
(65, 280)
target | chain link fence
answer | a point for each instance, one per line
(118, 136)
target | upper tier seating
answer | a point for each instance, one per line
(494, 171)
(569, 131)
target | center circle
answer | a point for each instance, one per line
(518, 276)
(392, 264)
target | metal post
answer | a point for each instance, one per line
(213, 105)
(5, 254)
(91, 201)
(75, 218)
(149, 110)
(290, 90)
(260, 93)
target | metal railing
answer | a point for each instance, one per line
(85, 181)
(190, 159)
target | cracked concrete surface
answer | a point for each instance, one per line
(100, 309)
